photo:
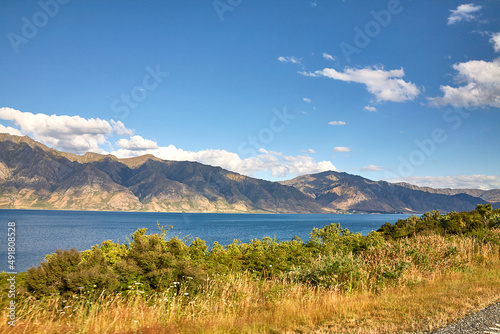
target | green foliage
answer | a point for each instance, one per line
(112, 252)
(93, 274)
(454, 223)
(339, 271)
(495, 220)
(485, 212)
(198, 250)
(52, 275)
(333, 257)
(149, 260)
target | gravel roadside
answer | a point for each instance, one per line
(484, 321)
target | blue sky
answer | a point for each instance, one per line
(395, 90)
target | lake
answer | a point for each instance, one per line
(40, 232)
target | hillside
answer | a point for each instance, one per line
(490, 196)
(34, 176)
(347, 192)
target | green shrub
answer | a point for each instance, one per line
(339, 271)
(51, 276)
(333, 257)
(93, 274)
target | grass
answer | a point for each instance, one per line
(442, 279)
(241, 305)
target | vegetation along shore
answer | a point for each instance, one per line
(415, 275)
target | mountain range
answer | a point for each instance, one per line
(34, 176)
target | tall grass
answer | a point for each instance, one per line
(410, 284)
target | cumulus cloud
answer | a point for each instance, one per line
(370, 108)
(481, 85)
(292, 60)
(465, 12)
(297, 165)
(10, 130)
(385, 85)
(484, 182)
(337, 123)
(73, 134)
(341, 149)
(137, 143)
(495, 39)
(327, 56)
(120, 128)
(79, 135)
(306, 99)
(277, 163)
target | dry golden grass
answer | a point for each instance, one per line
(420, 300)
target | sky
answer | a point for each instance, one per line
(403, 91)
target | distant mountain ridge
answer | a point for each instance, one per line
(490, 196)
(352, 193)
(34, 176)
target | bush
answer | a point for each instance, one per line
(51, 276)
(455, 223)
(339, 271)
(334, 257)
(93, 274)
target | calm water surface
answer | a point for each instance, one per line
(42, 232)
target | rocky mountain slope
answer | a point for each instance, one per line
(490, 196)
(347, 192)
(34, 176)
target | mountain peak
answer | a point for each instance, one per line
(135, 162)
(42, 177)
(354, 193)
(22, 139)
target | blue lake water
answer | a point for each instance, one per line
(42, 232)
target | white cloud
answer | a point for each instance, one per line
(495, 39)
(137, 143)
(299, 165)
(337, 123)
(10, 130)
(277, 163)
(292, 60)
(371, 168)
(327, 56)
(73, 134)
(120, 129)
(370, 108)
(385, 85)
(341, 149)
(463, 12)
(79, 135)
(311, 150)
(484, 182)
(481, 85)
(306, 99)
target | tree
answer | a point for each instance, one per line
(495, 220)
(485, 212)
